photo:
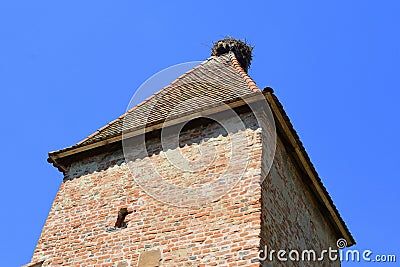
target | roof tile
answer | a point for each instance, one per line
(220, 78)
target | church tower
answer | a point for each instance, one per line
(208, 171)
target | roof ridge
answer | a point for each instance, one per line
(121, 117)
(250, 82)
(226, 67)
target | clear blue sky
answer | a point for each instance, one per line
(69, 67)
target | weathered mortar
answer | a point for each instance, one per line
(285, 208)
(291, 218)
(282, 213)
(223, 233)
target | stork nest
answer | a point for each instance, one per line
(241, 50)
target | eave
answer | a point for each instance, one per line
(285, 131)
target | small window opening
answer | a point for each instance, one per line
(122, 213)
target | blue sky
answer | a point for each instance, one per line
(69, 67)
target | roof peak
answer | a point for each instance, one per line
(240, 48)
(221, 78)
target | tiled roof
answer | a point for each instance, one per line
(219, 78)
(223, 80)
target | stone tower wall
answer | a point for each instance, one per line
(281, 214)
(222, 233)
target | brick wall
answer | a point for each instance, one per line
(222, 233)
(227, 232)
(291, 217)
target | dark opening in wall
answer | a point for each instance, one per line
(122, 213)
